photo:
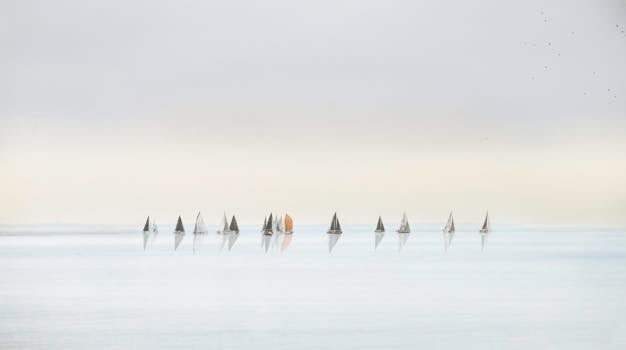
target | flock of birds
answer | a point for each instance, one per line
(277, 232)
(611, 93)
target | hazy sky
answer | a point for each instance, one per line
(113, 110)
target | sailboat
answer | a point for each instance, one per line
(234, 232)
(278, 230)
(379, 232)
(224, 227)
(404, 225)
(448, 232)
(484, 231)
(179, 233)
(146, 232)
(334, 232)
(154, 232)
(280, 225)
(200, 228)
(288, 236)
(288, 224)
(486, 226)
(403, 231)
(199, 232)
(268, 230)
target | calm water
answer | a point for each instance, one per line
(82, 287)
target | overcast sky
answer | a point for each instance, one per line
(113, 110)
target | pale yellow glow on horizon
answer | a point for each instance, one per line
(562, 185)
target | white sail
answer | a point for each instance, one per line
(280, 224)
(404, 225)
(223, 227)
(200, 228)
(275, 224)
(279, 232)
(449, 228)
(448, 232)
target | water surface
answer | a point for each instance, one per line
(86, 287)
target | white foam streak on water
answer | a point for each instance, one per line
(530, 288)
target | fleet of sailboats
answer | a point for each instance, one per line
(275, 226)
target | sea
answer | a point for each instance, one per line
(94, 287)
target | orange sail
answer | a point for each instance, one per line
(288, 224)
